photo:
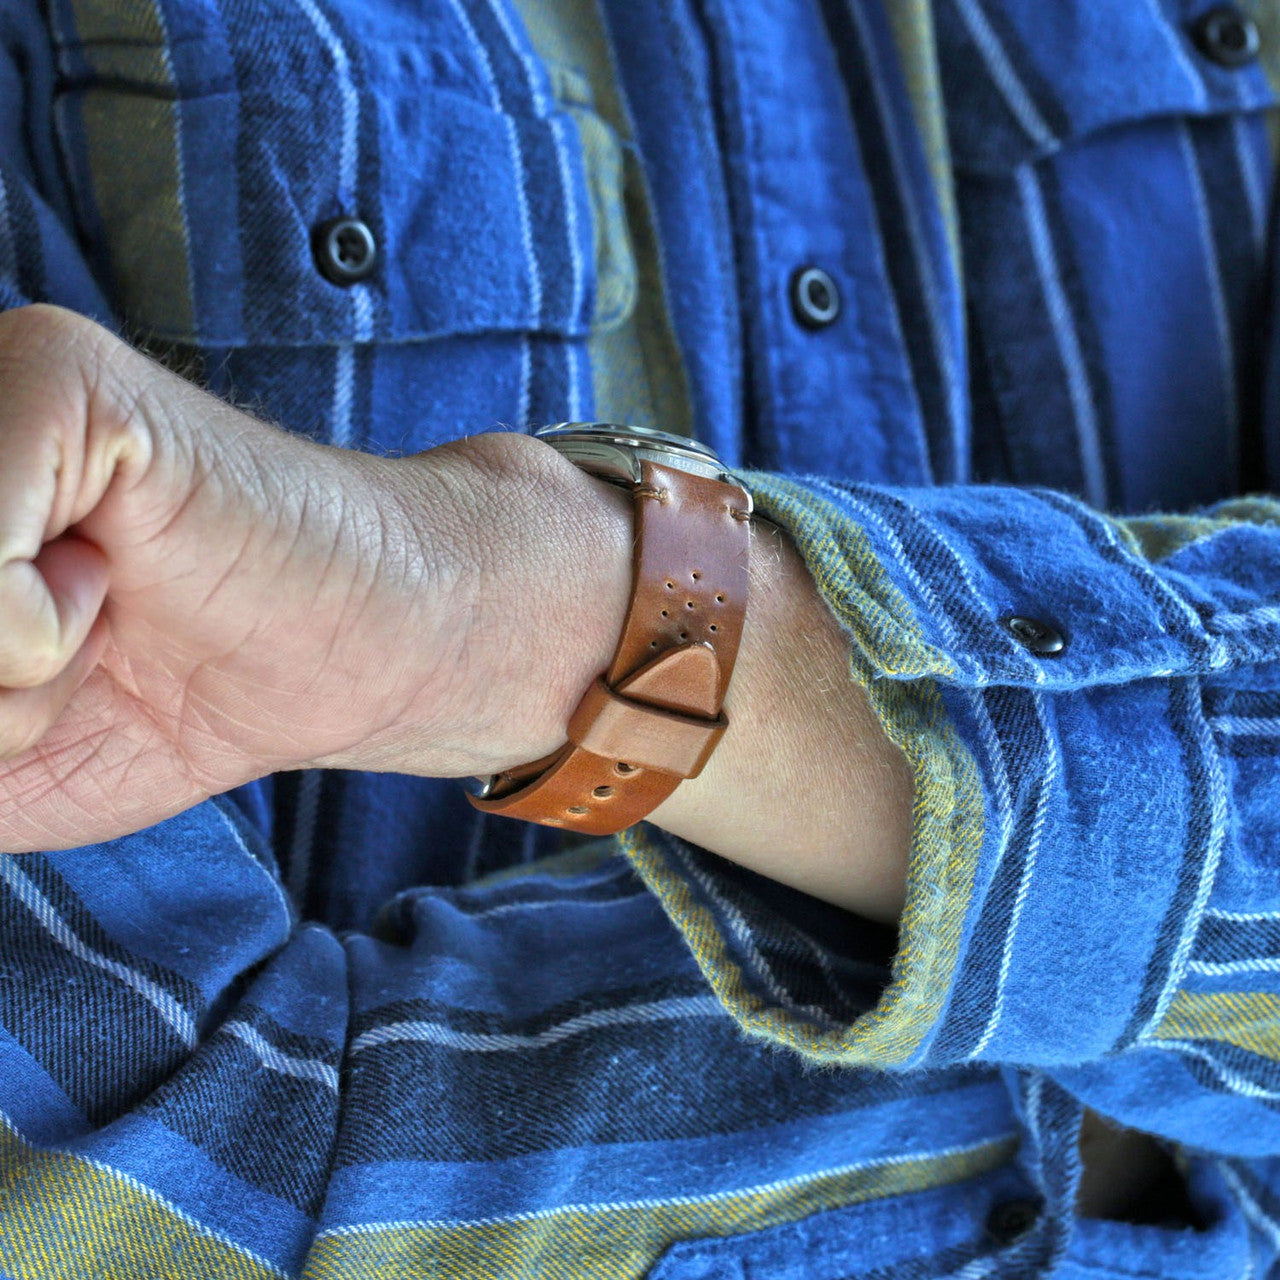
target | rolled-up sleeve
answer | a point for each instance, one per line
(1093, 877)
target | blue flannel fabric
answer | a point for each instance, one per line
(335, 1025)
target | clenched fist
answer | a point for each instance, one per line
(190, 598)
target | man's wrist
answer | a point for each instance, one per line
(805, 787)
(535, 560)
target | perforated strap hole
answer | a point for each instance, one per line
(624, 768)
(671, 586)
(602, 793)
(688, 604)
(578, 809)
(713, 627)
(696, 574)
(665, 614)
(719, 599)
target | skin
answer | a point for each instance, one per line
(193, 599)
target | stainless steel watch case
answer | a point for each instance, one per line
(615, 452)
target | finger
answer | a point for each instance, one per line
(71, 421)
(26, 715)
(47, 606)
(48, 598)
(49, 361)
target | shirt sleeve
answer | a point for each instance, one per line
(1094, 889)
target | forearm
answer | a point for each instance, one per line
(804, 787)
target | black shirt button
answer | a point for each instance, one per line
(345, 250)
(814, 298)
(1011, 1220)
(1226, 36)
(1035, 636)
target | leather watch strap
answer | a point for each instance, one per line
(655, 716)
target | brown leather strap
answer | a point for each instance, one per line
(655, 716)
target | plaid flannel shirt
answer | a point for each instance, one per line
(338, 1025)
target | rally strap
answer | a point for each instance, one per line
(655, 716)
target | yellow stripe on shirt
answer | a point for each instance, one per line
(1247, 1019)
(624, 1241)
(132, 94)
(638, 372)
(66, 1218)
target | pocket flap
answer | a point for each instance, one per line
(1021, 78)
(200, 187)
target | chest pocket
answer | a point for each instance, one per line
(1111, 173)
(211, 143)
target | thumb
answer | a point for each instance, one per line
(49, 605)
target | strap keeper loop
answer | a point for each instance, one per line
(618, 728)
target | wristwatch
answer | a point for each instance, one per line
(655, 716)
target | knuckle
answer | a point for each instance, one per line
(55, 340)
(42, 330)
(85, 378)
(50, 356)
